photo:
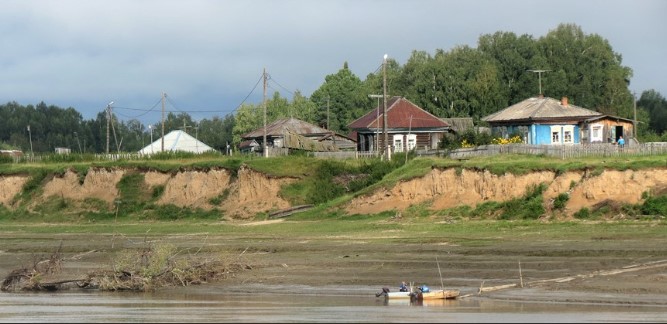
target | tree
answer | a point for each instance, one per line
(656, 106)
(339, 100)
(589, 72)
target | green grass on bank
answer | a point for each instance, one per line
(327, 184)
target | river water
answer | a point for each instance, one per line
(254, 304)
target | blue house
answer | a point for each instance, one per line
(543, 120)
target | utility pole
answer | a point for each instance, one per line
(163, 95)
(384, 110)
(328, 113)
(108, 123)
(539, 74)
(32, 154)
(634, 126)
(377, 122)
(266, 147)
(407, 140)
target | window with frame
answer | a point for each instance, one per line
(596, 133)
(568, 134)
(398, 143)
(555, 134)
(412, 141)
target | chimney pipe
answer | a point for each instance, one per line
(563, 102)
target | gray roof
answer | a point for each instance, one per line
(279, 127)
(460, 124)
(540, 108)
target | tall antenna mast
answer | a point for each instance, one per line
(539, 73)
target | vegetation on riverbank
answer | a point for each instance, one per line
(326, 184)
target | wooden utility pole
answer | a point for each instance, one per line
(377, 123)
(163, 95)
(328, 113)
(384, 110)
(266, 147)
(108, 123)
(634, 126)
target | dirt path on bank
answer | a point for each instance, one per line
(619, 271)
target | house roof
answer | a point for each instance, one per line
(279, 127)
(400, 111)
(176, 140)
(540, 108)
(460, 124)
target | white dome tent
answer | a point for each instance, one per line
(177, 140)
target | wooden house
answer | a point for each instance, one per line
(408, 127)
(292, 133)
(543, 120)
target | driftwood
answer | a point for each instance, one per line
(630, 268)
(152, 268)
(289, 211)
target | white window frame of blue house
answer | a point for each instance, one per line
(562, 134)
(556, 134)
(568, 134)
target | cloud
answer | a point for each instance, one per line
(209, 55)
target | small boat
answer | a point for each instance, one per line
(420, 293)
(436, 294)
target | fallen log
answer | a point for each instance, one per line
(289, 211)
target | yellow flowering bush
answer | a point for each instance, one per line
(511, 140)
(466, 144)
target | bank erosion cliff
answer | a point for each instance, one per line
(246, 193)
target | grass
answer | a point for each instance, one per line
(327, 184)
(470, 233)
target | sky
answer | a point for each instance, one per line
(208, 56)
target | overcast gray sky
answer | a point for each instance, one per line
(208, 55)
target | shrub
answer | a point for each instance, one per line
(655, 206)
(561, 200)
(582, 213)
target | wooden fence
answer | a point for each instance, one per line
(563, 151)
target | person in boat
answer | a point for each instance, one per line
(424, 288)
(403, 287)
(384, 292)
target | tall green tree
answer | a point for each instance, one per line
(656, 106)
(339, 100)
(588, 71)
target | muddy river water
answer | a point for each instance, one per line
(260, 303)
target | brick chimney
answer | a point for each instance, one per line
(563, 101)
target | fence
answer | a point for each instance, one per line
(347, 155)
(563, 151)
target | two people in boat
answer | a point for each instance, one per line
(403, 288)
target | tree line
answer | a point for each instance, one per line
(502, 70)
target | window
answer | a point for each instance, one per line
(596, 133)
(398, 143)
(412, 141)
(555, 134)
(568, 134)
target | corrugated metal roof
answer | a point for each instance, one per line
(400, 111)
(540, 108)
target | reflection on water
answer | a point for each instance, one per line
(300, 304)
